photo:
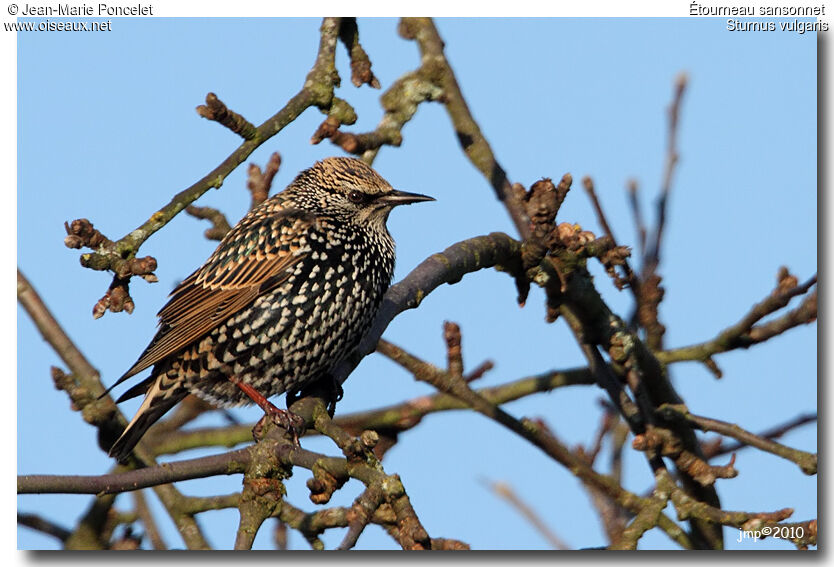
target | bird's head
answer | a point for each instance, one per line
(349, 189)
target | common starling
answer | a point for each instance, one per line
(287, 295)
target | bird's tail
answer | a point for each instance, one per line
(162, 396)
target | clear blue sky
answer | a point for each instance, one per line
(107, 131)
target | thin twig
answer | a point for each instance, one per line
(651, 293)
(53, 334)
(260, 182)
(216, 110)
(361, 513)
(360, 63)
(144, 514)
(746, 333)
(468, 132)
(807, 462)
(645, 520)
(718, 448)
(219, 225)
(630, 276)
(506, 492)
(43, 525)
(672, 157)
(636, 212)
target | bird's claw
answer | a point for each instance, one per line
(287, 420)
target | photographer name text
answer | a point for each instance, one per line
(86, 10)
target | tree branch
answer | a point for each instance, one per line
(716, 448)
(746, 333)
(317, 91)
(227, 463)
(391, 419)
(532, 432)
(807, 462)
(43, 525)
(506, 492)
(469, 134)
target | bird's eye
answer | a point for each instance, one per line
(357, 197)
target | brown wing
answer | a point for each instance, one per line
(257, 255)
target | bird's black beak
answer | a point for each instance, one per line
(395, 198)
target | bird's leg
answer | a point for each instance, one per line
(283, 418)
(336, 394)
(327, 386)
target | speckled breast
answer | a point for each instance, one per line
(303, 328)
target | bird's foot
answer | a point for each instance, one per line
(287, 420)
(292, 423)
(336, 394)
(327, 387)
